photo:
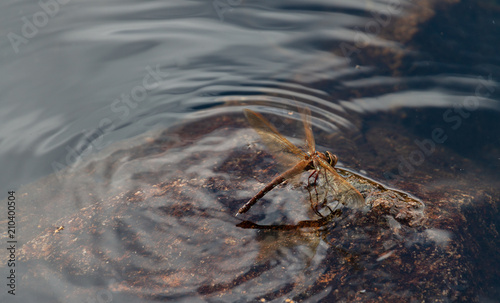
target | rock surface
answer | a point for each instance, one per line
(152, 218)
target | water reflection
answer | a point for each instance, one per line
(161, 226)
(151, 218)
(160, 236)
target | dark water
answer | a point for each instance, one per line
(409, 90)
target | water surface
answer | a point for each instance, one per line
(405, 92)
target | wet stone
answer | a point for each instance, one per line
(160, 225)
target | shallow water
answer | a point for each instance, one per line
(404, 92)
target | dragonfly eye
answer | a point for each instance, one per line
(331, 158)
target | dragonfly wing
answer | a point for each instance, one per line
(306, 120)
(335, 188)
(286, 152)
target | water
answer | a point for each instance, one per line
(405, 92)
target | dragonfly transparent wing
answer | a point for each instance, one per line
(285, 151)
(326, 186)
(309, 137)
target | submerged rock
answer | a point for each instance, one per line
(152, 218)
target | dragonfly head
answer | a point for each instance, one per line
(331, 158)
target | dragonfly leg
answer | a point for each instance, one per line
(316, 211)
(297, 169)
(314, 196)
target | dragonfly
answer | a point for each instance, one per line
(325, 185)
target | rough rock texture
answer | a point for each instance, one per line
(158, 224)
